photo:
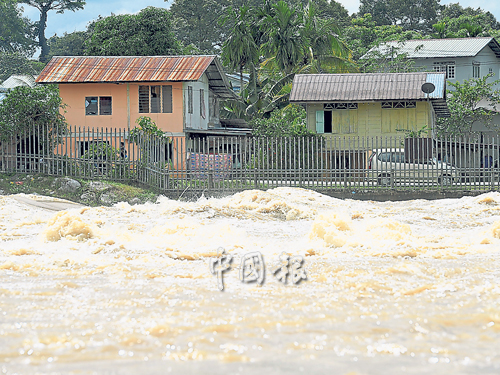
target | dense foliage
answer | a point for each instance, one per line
(25, 108)
(465, 107)
(287, 122)
(16, 63)
(147, 33)
(16, 32)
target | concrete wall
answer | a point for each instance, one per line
(125, 106)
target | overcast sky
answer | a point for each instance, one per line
(77, 21)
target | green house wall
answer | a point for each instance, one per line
(371, 120)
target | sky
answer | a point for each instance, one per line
(77, 21)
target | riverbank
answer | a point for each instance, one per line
(86, 192)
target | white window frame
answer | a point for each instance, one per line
(445, 66)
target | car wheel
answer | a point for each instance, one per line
(384, 179)
(445, 179)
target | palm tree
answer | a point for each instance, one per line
(326, 52)
(284, 43)
(240, 48)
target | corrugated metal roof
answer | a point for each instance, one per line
(429, 48)
(439, 85)
(18, 80)
(98, 69)
(85, 69)
(361, 87)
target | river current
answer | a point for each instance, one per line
(392, 288)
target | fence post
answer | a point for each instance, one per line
(392, 178)
(210, 180)
(300, 177)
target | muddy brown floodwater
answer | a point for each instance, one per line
(396, 287)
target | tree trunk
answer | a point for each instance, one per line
(241, 81)
(42, 40)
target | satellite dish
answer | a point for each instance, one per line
(428, 87)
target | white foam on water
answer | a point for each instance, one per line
(389, 285)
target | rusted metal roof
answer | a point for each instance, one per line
(365, 87)
(85, 69)
(99, 69)
(429, 48)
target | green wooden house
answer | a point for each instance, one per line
(369, 105)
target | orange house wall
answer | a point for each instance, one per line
(73, 95)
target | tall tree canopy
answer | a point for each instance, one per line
(197, 23)
(44, 6)
(26, 107)
(71, 44)
(147, 33)
(16, 63)
(417, 15)
(16, 32)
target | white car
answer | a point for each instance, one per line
(385, 165)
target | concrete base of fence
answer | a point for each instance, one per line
(399, 195)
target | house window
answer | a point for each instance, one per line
(105, 105)
(155, 99)
(445, 66)
(97, 105)
(203, 113)
(476, 70)
(190, 99)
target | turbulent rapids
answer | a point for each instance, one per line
(395, 287)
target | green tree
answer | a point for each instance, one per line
(16, 32)
(44, 6)
(363, 34)
(197, 22)
(484, 18)
(327, 52)
(16, 63)
(417, 15)
(240, 48)
(463, 102)
(332, 10)
(290, 121)
(284, 44)
(71, 44)
(25, 108)
(147, 33)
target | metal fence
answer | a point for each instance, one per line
(176, 165)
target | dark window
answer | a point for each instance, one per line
(167, 99)
(202, 104)
(155, 99)
(143, 99)
(190, 99)
(328, 122)
(105, 105)
(91, 105)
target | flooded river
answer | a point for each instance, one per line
(395, 287)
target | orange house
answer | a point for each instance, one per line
(180, 93)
